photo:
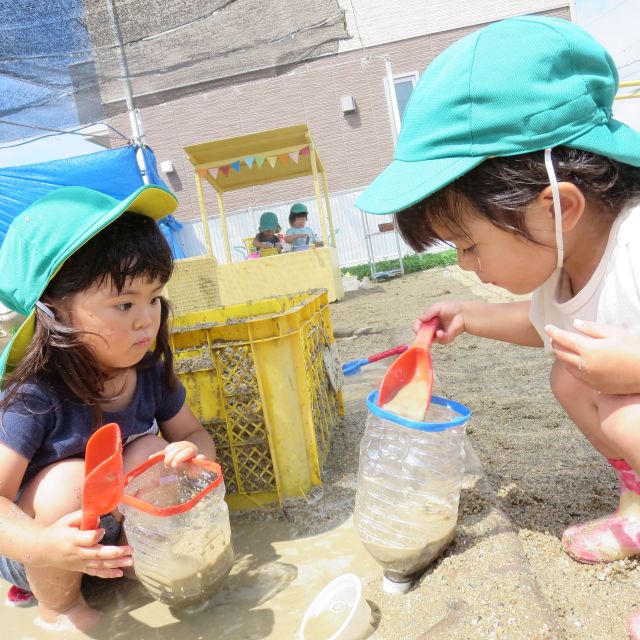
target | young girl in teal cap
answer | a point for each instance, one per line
(88, 272)
(508, 152)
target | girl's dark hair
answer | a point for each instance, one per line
(500, 190)
(299, 214)
(130, 247)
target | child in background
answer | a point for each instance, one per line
(508, 151)
(88, 272)
(267, 236)
(299, 235)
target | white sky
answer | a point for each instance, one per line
(616, 24)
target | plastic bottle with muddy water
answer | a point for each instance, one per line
(409, 480)
(177, 522)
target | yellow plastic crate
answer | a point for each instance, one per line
(256, 378)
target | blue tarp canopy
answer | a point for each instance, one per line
(112, 171)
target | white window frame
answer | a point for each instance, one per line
(392, 100)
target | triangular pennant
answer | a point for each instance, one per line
(294, 156)
(284, 158)
(202, 173)
(224, 170)
(259, 161)
(213, 172)
(272, 160)
(304, 151)
(236, 166)
(249, 161)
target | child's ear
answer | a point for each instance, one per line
(572, 202)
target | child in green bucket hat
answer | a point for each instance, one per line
(299, 234)
(87, 271)
(268, 230)
(509, 152)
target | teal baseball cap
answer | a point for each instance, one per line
(269, 221)
(516, 86)
(44, 235)
(299, 208)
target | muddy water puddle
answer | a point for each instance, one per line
(273, 581)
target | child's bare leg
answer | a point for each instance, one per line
(140, 449)
(615, 432)
(582, 405)
(55, 492)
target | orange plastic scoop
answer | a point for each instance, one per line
(103, 475)
(406, 387)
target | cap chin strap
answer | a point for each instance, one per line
(45, 309)
(556, 205)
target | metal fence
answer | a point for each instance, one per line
(348, 222)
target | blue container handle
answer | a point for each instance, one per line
(464, 413)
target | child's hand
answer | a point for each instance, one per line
(66, 547)
(451, 318)
(177, 452)
(605, 358)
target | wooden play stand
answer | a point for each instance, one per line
(261, 158)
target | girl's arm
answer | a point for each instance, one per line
(187, 438)
(508, 322)
(61, 544)
(604, 357)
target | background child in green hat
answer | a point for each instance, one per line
(88, 272)
(268, 230)
(508, 152)
(299, 235)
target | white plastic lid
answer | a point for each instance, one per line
(391, 586)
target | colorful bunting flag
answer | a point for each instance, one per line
(236, 166)
(213, 172)
(284, 158)
(202, 173)
(260, 161)
(272, 161)
(304, 151)
(294, 156)
(224, 170)
(249, 161)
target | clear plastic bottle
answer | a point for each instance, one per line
(409, 480)
(177, 522)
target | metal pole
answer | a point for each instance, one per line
(135, 120)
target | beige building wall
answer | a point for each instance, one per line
(354, 146)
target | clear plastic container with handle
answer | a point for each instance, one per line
(409, 480)
(177, 522)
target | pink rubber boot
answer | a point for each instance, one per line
(634, 625)
(614, 537)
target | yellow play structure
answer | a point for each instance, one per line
(245, 161)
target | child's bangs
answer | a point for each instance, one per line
(421, 225)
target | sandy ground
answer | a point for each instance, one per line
(544, 473)
(504, 576)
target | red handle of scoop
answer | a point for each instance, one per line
(426, 333)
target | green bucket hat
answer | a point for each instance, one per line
(269, 220)
(45, 234)
(516, 86)
(298, 207)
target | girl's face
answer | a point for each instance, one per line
(122, 325)
(269, 233)
(299, 222)
(504, 259)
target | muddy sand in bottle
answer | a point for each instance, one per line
(530, 475)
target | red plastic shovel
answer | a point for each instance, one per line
(103, 475)
(412, 367)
